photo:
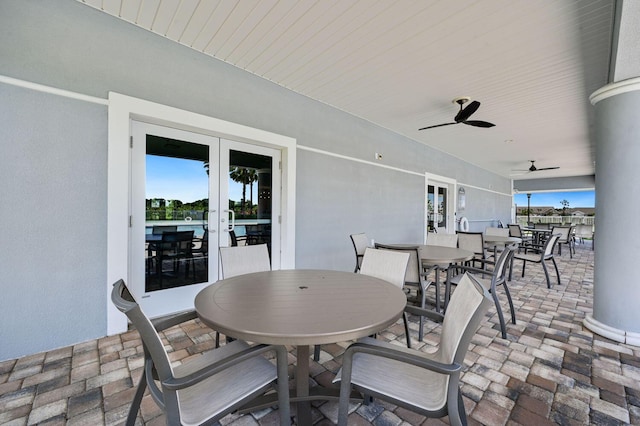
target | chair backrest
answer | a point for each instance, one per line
(180, 242)
(502, 232)
(241, 260)
(464, 313)
(126, 303)
(360, 243)
(233, 238)
(414, 267)
(584, 231)
(515, 230)
(161, 229)
(385, 264)
(472, 241)
(541, 226)
(549, 245)
(502, 265)
(443, 240)
(564, 231)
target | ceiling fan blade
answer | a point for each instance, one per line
(438, 125)
(466, 112)
(478, 123)
(547, 168)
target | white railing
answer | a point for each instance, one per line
(557, 220)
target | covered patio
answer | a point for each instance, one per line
(550, 370)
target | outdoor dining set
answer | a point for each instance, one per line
(452, 279)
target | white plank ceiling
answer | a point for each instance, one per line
(399, 64)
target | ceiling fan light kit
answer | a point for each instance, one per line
(464, 114)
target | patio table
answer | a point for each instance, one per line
(300, 308)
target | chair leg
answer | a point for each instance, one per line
(137, 399)
(406, 329)
(546, 273)
(503, 327)
(524, 264)
(513, 313)
(316, 353)
(555, 265)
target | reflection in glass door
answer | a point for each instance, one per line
(177, 206)
(437, 208)
(196, 193)
(246, 188)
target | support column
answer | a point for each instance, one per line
(616, 312)
(616, 287)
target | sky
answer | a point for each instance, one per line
(553, 199)
(185, 180)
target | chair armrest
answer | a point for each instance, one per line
(408, 356)
(176, 383)
(432, 315)
(169, 321)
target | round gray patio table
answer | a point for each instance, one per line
(300, 308)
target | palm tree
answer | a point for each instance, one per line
(245, 176)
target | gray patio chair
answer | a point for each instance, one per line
(389, 266)
(208, 387)
(415, 277)
(498, 278)
(516, 231)
(443, 240)
(582, 232)
(502, 232)
(360, 243)
(566, 238)
(427, 383)
(474, 242)
(240, 260)
(539, 255)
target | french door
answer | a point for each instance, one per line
(191, 194)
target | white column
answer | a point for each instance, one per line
(616, 295)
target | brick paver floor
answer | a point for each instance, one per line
(550, 369)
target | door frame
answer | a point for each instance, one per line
(122, 109)
(451, 184)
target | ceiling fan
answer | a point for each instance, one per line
(533, 168)
(464, 114)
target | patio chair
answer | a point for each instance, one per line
(240, 260)
(415, 277)
(566, 238)
(389, 266)
(539, 255)
(502, 232)
(175, 247)
(427, 383)
(516, 231)
(582, 232)
(208, 387)
(498, 278)
(360, 243)
(474, 242)
(442, 240)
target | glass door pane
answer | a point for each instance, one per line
(247, 191)
(442, 208)
(177, 205)
(430, 209)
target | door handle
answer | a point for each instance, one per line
(232, 221)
